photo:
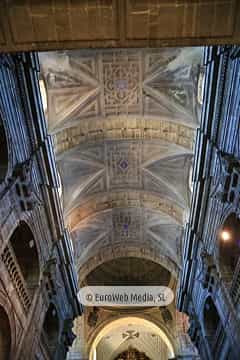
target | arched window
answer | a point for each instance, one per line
(5, 335)
(211, 321)
(24, 248)
(43, 92)
(229, 247)
(3, 152)
(50, 331)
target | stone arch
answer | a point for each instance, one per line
(5, 335)
(211, 321)
(23, 245)
(51, 330)
(229, 247)
(5, 303)
(109, 253)
(135, 271)
(4, 151)
(109, 325)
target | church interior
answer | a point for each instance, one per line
(119, 168)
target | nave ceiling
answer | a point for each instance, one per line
(123, 123)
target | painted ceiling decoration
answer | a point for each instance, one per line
(123, 123)
(104, 83)
(129, 226)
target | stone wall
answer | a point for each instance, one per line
(205, 294)
(29, 202)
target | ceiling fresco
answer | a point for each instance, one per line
(123, 123)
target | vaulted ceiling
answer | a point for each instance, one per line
(134, 335)
(123, 123)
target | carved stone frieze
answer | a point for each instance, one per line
(124, 162)
(124, 128)
(121, 82)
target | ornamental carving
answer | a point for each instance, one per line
(124, 162)
(121, 82)
(127, 224)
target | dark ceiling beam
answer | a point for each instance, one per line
(50, 25)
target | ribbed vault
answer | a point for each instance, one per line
(123, 124)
